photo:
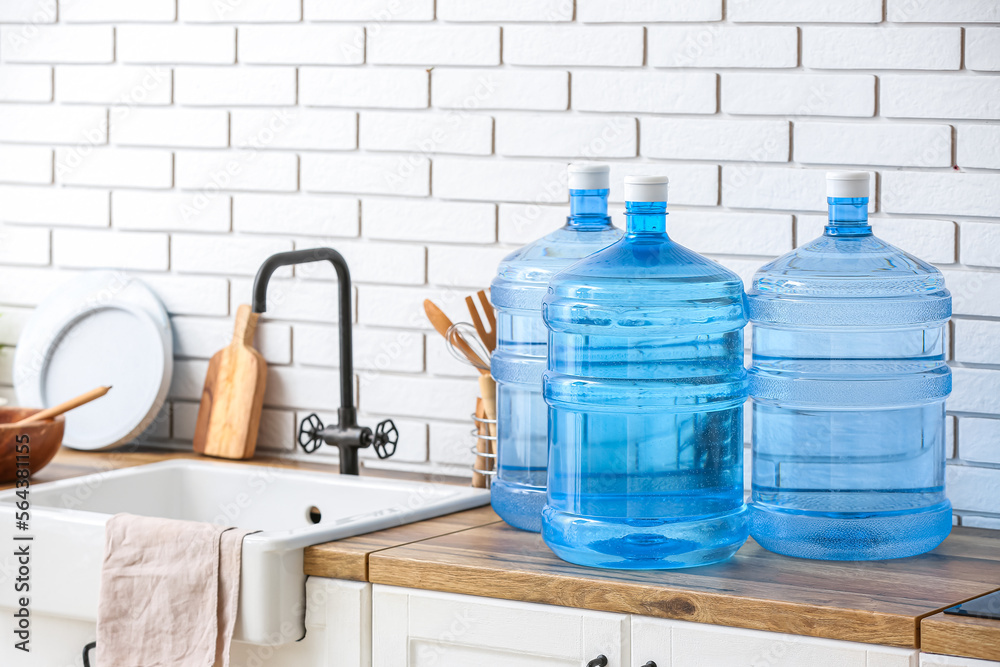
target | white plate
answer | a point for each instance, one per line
(104, 328)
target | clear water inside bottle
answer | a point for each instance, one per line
(645, 386)
(849, 383)
(518, 490)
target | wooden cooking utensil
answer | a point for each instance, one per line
(489, 338)
(482, 446)
(488, 390)
(441, 324)
(233, 397)
(65, 406)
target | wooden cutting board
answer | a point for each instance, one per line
(231, 402)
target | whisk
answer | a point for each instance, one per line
(464, 344)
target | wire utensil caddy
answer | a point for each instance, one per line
(484, 449)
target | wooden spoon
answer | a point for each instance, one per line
(441, 324)
(57, 410)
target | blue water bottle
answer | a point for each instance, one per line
(518, 492)
(645, 386)
(849, 383)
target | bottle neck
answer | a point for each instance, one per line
(588, 210)
(643, 217)
(848, 217)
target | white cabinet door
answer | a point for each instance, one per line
(680, 644)
(413, 628)
(338, 630)
(338, 634)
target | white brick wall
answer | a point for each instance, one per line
(25, 164)
(306, 129)
(600, 46)
(58, 44)
(723, 46)
(799, 94)
(647, 11)
(99, 11)
(35, 123)
(448, 132)
(646, 91)
(939, 96)
(170, 126)
(25, 83)
(220, 86)
(982, 49)
(684, 139)
(548, 135)
(804, 11)
(881, 48)
(212, 45)
(115, 167)
(184, 140)
(369, 10)
(504, 10)
(301, 45)
(466, 89)
(387, 87)
(434, 45)
(905, 145)
(979, 146)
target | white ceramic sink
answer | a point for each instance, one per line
(68, 517)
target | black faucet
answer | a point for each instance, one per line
(346, 436)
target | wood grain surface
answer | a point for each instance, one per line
(876, 602)
(960, 635)
(233, 396)
(348, 558)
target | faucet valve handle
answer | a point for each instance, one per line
(309, 437)
(385, 438)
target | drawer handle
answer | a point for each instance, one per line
(650, 664)
(599, 661)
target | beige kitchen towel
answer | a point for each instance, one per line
(230, 558)
(169, 592)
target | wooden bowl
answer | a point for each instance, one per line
(44, 438)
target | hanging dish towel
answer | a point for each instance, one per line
(169, 593)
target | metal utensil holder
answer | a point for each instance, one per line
(488, 460)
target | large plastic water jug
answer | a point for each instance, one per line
(645, 386)
(518, 491)
(849, 382)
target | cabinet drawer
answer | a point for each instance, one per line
(422, 628)
(680, 644)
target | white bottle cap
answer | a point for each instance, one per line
(847, 184)
(646, 188)
(589, 176)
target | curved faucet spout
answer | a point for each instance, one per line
(347, 435)
(271, 264)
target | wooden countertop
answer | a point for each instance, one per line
(960, 635)
(896, 603)
(348, 558)
(873, 602)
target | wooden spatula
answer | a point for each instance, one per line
(441, 324)
(488, 336)
(233, 397)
